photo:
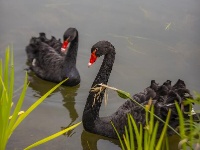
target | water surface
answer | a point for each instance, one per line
(154, 39)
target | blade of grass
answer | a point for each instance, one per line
(158, 146)
(166, 143)
(120, 140)
(1, 74)
(146, 116)
(136, 130)
(126, 142)
(181, 124)
(151, 126)
(11, 83)
(181, 120)
(33, 106)
(5, 81)
(126, 139)
(18, 107)
(6, 67)
(147, 127)
(3, 118)
(190, 125)
(140, 137)
(5, 101)
(153, 137)
(52, 136)
(146, 139)
(1, 99)
(132, 142)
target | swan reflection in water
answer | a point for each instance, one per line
(69, 94)
(90, 141)
(40, 87)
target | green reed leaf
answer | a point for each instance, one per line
(120, 140)
(52, 136)
(160, 141)
(33, 106)
(153, 137)
(140, 146)
(126, 139)
(18, 107)
(135, 128)
(130, 126)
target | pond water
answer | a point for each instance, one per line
(154, 39)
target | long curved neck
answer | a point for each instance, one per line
(72, 51)
(105, 69)
(94, 100)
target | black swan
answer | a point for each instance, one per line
(53, 61)
(163, 97)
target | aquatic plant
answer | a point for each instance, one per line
(190, 129)
(10, 114)
(145, 137)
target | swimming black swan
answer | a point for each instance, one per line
(163, 97)
(49, 60)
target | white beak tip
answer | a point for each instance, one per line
(89, 64)
(62, 49)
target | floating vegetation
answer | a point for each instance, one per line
(168, 26)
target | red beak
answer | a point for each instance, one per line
(93, 58)
(64, 45)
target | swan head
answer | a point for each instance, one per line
(99, 49)
(69, 35)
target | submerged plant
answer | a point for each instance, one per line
(9, 120)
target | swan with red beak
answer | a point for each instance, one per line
(54, 61)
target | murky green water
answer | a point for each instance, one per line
(154, 39)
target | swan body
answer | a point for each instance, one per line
(163, 97)
(54, 61)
